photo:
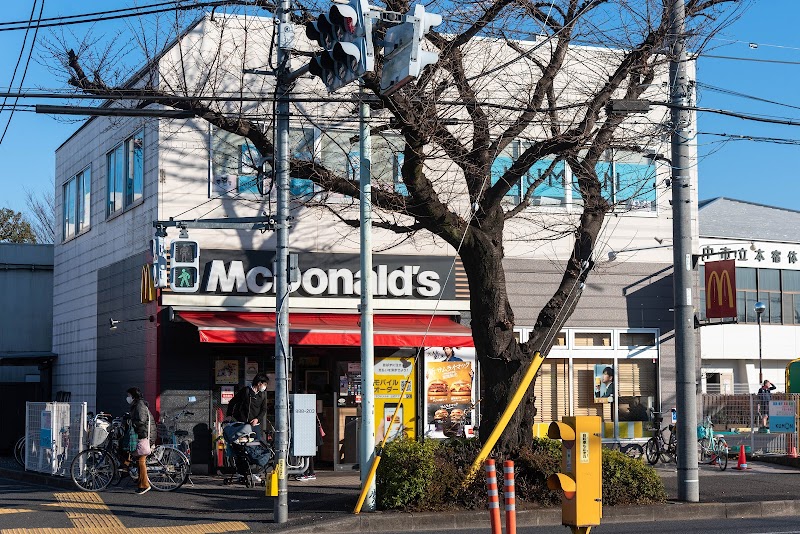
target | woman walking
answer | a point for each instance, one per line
(140, 423)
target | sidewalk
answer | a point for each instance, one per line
(326, 504)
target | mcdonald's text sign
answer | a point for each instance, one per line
(720, 289)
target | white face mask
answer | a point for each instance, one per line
(129, 399)
(262, 388)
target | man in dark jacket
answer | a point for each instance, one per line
(249, 405)
(764, 397)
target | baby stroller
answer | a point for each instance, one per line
(251, 457)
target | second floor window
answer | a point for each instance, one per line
(77, 203)
(125, 166)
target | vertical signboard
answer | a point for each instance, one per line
(782, 416)
(391, 375)
(720, 284)
(449, 392)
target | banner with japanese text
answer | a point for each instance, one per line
(391, 375)
(449, 392)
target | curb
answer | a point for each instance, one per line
(31, 477)
(470, 520)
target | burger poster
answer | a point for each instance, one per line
(392, 376)
(449, 392)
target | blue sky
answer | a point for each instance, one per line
(760, 172)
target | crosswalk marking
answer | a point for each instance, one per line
(89, 514)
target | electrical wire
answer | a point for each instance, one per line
(27, 64)
(19, 58)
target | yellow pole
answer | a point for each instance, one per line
(533, 368)
(374, 468)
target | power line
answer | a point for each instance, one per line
(96, 13)
(27, 64)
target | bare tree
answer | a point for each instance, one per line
(42, 209)
(540, 72)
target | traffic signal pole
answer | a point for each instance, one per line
(683, 268)
(367, 456)
(285, 42)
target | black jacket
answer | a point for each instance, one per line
(140, 416)
(247, 405)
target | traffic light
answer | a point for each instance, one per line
(185, 267)
(581, 476)
(404, 57)
(345, 34)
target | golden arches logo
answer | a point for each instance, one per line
(723, 281)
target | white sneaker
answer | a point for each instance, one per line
(255, 479)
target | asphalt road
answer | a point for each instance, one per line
(780, 525)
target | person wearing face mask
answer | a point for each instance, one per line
(249, 405)
(141, 421)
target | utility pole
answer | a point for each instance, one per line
(367, 455)
(683, 269)
(282, 80)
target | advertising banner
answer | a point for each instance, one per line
(449, 392)
(391, 375)
(226, 372)
(720, 284)
(603, 382)
(782, 416)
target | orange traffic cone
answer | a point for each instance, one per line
(792, 453)
(741, 465)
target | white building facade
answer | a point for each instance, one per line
(116, 177)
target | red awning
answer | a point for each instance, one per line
(332, 329)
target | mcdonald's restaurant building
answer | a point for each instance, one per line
(115, 177)
(763, 242)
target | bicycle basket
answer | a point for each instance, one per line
(701, 432)
(100, 433)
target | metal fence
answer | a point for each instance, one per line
(55, 432)
(740, 418)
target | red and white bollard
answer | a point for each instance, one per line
(511, 506)
(494, 496)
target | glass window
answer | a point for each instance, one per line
(637, 339)
(746, 292)
(769, 292)
(592, 339)
(125, 166)
(636, 387)
(551, 390)
(76, 203)
(791, 296)
(628, 180)
(561, 340)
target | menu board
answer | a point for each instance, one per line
(449, 392)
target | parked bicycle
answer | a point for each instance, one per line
(19, 451)
(169, 431)
(105, 462)
(660, 447)
(711, 448)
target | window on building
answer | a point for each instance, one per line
(769, 292)
(746, 294)
(791, 296)
(637, 339)
(77, 203)
(629, 180)
(552, 391)
(560, 340)
(125, 166)
(592, 339)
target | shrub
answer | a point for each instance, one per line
(405, 473)
(454, 458)
(532, 467)
(629, 481)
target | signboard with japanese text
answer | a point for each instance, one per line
(392, 374)
(449, 392)
(226, 394)
(782, 416)
(720, 285)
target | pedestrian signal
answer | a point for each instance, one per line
(185, 266)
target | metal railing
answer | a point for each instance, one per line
(55, 432)
(740, 418)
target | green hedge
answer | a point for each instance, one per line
(430, 476)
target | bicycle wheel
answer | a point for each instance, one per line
(19, 451)
(652, 449)
(93, 470)
(670, 452)
(721, 449)
(703, 450)
(167, 468)
(634, 450)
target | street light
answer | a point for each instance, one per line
(760, 308)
